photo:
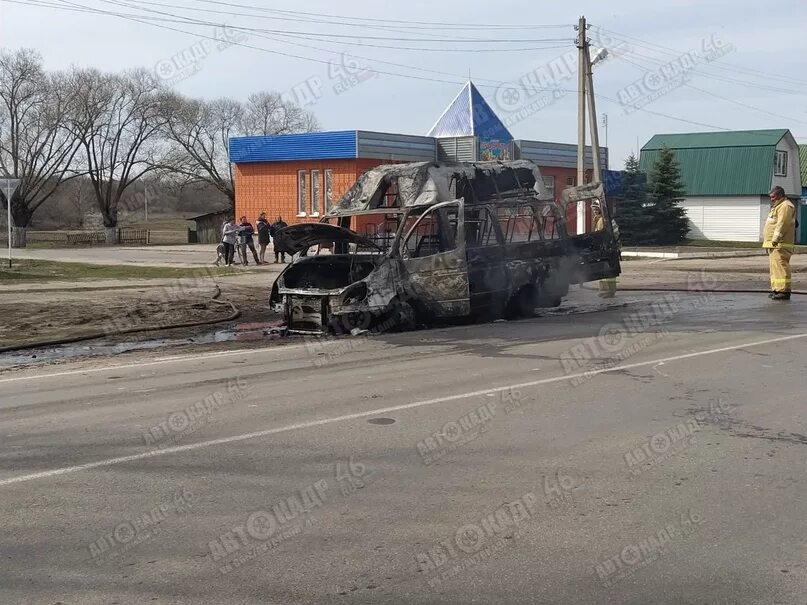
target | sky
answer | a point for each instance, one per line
(673, 65)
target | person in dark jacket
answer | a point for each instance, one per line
(263, 236)
(246, 231)
(280, 251)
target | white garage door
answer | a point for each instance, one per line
(734, 218)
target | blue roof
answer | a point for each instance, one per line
(332, 145)
(470, 115)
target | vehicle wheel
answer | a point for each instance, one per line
(522, 304)
(400, 317)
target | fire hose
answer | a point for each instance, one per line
(694, 290)
(235, 314)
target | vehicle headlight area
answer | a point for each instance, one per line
(355, 294)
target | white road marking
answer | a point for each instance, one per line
(386, 410)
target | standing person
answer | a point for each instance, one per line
(274, 230)
(263, 236)
(228, 235)
(779, 239)
(607, 285)
(246, 231)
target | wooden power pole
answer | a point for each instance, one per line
(582, 70)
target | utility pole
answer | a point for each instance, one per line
(592, 114)
(605, 125)
(146, 200)
(10, 185)
(582, 68)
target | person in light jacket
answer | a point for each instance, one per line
(779, 238)
(228, 234)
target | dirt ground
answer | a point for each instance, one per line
(50, 314)
(35, 312)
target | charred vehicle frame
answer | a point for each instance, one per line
(438, 241)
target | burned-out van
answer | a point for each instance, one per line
(413, 243)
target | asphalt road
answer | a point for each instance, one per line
(639, 455)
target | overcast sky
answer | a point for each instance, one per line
(742, 61)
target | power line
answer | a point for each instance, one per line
(718, 77)
(330, 51)
(366, 37)
(317, 36)
(396, 22)
(322, 61)
(725, 66)
(730, 100)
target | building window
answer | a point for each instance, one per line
(549, 183)
(570, 181)
(780, 163)
(301, 193)
(315, 192)
(328, 189)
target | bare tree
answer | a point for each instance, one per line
(266, 113)
(118, 120)
(35, 147)
(201, 130)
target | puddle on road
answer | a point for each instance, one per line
(101, 348)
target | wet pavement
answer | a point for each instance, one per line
(652, 453)
(261, 333)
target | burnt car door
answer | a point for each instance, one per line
(488, 273)
(594, 255)
(434, 268)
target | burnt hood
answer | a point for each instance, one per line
(299, 237)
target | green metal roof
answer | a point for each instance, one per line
(719, 163)
(803, 164)
(735, 138)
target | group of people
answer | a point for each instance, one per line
(239, 236)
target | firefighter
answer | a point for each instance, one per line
(779, 238)
(608, 285)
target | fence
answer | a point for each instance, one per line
(126, 237)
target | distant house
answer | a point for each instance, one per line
(727, 177)
(208, 226)
(803, 164)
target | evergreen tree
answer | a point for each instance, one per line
(634, 218)
(665, 192)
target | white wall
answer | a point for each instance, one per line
(792, 182)
(724, 217)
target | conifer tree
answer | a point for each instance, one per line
(665, 191)
(633, 217)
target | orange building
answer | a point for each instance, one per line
(299, 176)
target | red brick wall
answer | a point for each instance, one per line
(271, 187)
(561, 174)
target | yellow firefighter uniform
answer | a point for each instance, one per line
(779, 237)
(608, 285)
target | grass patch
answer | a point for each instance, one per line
(713, 243)
(23, 270)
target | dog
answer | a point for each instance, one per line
(219, 255)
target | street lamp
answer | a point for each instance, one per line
(600, 55)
